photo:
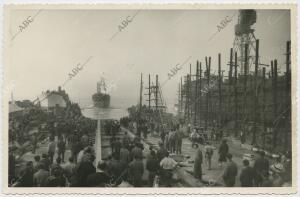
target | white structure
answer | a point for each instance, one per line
(53, 99)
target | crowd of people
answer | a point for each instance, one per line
(128, 166)
(261, 174)
(125, 167)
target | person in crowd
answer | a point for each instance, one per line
(112, 143)
(41, 176)
(209, 151)
(152, 166)
(172, 139)
(223, 152)
(287, 166)
(116, 168)
(178, 142)
(126, 139)
(243, 137)
(61, 148)
(277, 180)
(124, 155)
(85, 168)
(51, 149)
(166, 142)
(136, 171)
(117, 146)
(247, 175)
(26, 178)
(88, 153)
(144, 130)
(194, 137)
(137, 151)
(124, 181)
(56, 178)
(99, 178)
(36, 163)
(168, 165)
(11, 167)
(265, 179)
(162, 135)
(69, 169)
(230, 172)
(261, 165)
(198, 163)
(45, 160)
(161, 152)
(75, 145)
(34, 142)
(84, 140)
(57, 164)
(84, 153)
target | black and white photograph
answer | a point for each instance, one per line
(149, 97)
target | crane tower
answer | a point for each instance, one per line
(244, 35)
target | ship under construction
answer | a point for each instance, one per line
(253, 98)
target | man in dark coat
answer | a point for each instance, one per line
(99, 178)
(116, 168)
(261, 166)
(26, 179)
(230, 172)
(152, 166)
(124, 155)
(137, 151)
(247, 175)
(85, 168)
(161, 152)
(198, 163)
(136, 171)
(223, 151)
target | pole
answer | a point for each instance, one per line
(156, 93)
(230, 66)
(288, 93)
(264, 108)
(235, 95)
(141, 92)
(196, 94)
(200, 93)
(98, 146)
(190, 93)
(149, 93)
(275, 103)
(245, 85)
(220, 89)
(181, 95)
(256, 93)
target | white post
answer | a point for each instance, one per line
(98, 142)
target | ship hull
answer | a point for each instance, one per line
(101, 100)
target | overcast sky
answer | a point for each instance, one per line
(42, 55)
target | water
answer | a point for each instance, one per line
(117, 110)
